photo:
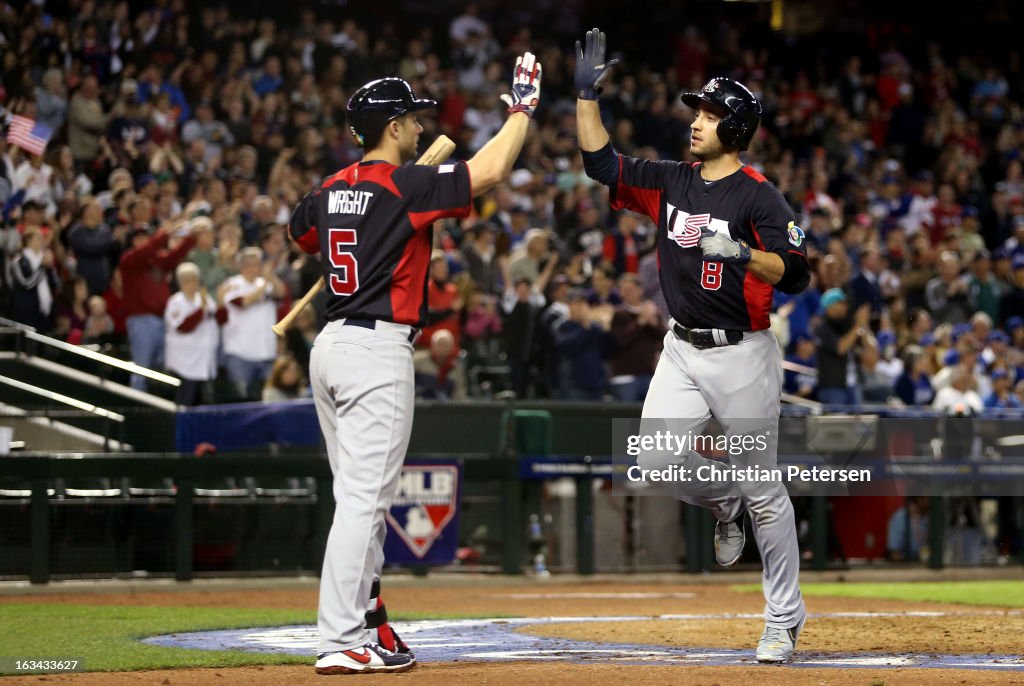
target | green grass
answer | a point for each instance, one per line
(106, 638)
(993, 593)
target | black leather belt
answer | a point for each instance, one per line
(372, 324)
(707, 339)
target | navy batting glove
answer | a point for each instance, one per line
(718, 247)
(590, 65)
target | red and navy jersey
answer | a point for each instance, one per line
(371, 223)
(745, 205)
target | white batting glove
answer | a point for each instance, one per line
(525, 85)
(718, 247)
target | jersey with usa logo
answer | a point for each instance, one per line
(743, 205)
(372, 224)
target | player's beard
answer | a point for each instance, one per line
(710, 152)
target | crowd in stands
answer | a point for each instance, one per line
(154, 223)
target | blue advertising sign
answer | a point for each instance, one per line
(423, 523)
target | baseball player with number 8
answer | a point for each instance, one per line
(372, 223)
(726, 238)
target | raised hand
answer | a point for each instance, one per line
(590, 65)
(525, 93)
(862, 317)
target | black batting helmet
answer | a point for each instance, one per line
(735, 104)
(371, 107)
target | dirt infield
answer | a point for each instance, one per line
(946, 635)
(959, 630)
(532, 674)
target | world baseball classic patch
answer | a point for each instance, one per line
(796, 234)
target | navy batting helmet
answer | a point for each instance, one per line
(371, 107)
(735, 104)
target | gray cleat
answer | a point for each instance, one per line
(730, 537)
(777, 644)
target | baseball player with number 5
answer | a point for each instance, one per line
(726, 238)
(372, 222)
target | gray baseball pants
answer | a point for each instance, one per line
(363, 388)
(741, 386)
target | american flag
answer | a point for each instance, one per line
(28, 134)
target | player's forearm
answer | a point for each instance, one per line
(591, 131)
(493, 162)
(766, 266)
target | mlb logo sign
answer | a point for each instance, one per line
(423, 519)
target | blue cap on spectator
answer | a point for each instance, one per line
(831, 297)
(927, 339)
(886, 337)
(959, 330)
(1000, 253)
(890, 178)
(969, 211)
(1014, 323)
(999, 374)
(143, 181)
(998, 336)
(1018, 261)
(802, 337)
(951, 358)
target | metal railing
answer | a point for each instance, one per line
(130, 367)
(813, 405)
(799, 368)
(63, 399)
(62, 430)
(26, 352)
(108, 441)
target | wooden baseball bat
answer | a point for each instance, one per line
(439, 151)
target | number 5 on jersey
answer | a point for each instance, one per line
(345, 273)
